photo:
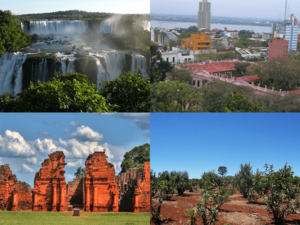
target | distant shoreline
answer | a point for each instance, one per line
(241, 24)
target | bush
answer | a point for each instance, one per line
(244, 179)
(130, 92)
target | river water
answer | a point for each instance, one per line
(171, 25)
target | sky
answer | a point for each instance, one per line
(273, 9)
(26, 139)
(42, 6)
(201, 143)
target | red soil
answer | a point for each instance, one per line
(236, 211)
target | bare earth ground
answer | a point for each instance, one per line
(236, 211)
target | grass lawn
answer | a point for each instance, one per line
(65, 218)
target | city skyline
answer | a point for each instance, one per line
(255, 8)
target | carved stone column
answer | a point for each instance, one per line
(54, 185)
(87, 196)
(62, 205)
(15, 201)
(95, 200)
(35, 201)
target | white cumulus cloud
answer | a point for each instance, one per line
(45, 145)
(26, 169)
(12, 144)
(86, 134)
(75, 164)
(32, 160)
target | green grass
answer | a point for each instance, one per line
(66, 218)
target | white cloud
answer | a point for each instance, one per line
(12, 144)
(74, 124)
(69, 176)
(86, 134)
(44, 133)
(116, 151)
(32, 160)
(45, 145)
(81, 150)
(66, 131)
(26, 169)
(75, 164)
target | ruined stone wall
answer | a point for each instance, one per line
(101, 189)
(76, 193)
(50, 185)
(134, 188)
(14, 195)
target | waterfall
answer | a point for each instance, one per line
(67, 65)
(109, 27)
(11, 73)
(139, 62)
(102, 75)
(40, 71)
(55, 27)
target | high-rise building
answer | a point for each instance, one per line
(288, 30)
(204, 15)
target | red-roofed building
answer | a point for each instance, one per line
(297, 92)
(248, 79)
(215, 68)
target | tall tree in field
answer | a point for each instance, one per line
(80, 172)
(222, 170)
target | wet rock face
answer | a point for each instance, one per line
(49, 193)
(101, 192)
(38, 68)
(134, 187)
(14, 195)
(87, 65)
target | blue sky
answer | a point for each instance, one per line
(230, 8)
(42, 6)
(27, 139)
(200, 143)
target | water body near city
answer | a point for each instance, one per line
(172, 25)
(70, 42)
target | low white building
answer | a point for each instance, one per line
(178, 55)
(247, 53)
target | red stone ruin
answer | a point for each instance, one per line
(99, 191)
(134, 188)
(49, 192)
(14, 195)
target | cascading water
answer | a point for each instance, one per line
(54, 27)
(11, 73)
(109, 27)
(139, 62)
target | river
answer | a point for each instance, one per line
(171, 25)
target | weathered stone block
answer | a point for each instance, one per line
(101, 189)
(50, 185)
(14, 195)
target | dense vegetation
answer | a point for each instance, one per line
(74, 93)
(11, 36)
(278, 191)
(136, 157)
(130, 92)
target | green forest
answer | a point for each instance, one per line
(11, 36)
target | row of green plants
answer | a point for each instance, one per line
(73, 92)
(277, 190)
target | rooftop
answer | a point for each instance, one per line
(214, 67)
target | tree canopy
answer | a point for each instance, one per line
(136, 157)
(11, 36)
(80, 172)
(130, 92)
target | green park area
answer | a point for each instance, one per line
(65, 218)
